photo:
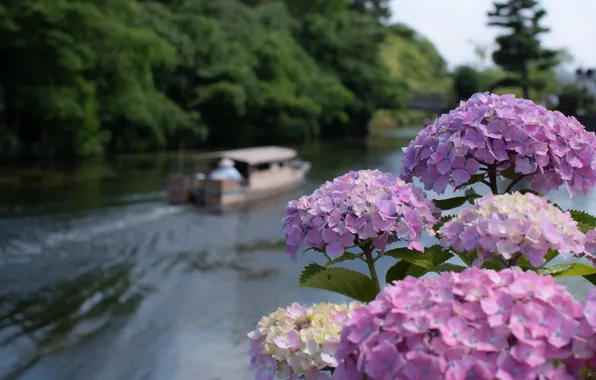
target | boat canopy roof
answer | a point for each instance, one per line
(260, 155)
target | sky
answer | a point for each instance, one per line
(452, 25)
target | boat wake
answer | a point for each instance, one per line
(32, 236)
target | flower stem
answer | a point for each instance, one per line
(492, 178)
(367, 249)
(513, 260)
(513, 183)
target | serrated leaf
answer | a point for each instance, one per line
(438, 254)
(343, 281)
(474, 179)
(470, 191)
(530, 191)
(313, 249)
(310, 270)
(451, 203)
(347, 256)
(585, 221)
(422, 259)
(494, 264)
(444, 219)
(568, 270)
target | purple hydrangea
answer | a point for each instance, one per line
(356, 207)
(590, 251)
(478, 324)
(511, 225)
(547, 147)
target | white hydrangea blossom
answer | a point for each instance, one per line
(298, 339)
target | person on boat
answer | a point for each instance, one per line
(226, 170)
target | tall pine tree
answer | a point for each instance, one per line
(520, 50)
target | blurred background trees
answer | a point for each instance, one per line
(82, 78)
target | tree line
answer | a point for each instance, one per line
(82, 77)
(87, 77)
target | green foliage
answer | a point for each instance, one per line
(451, 203)
(569, 270)
(421, 259)
(403, 268)
(585, 221)
(466, 82)
(346, 256)
(340, 280)
(520, 50)
(125, 75)
(310, 270)
(476, 178)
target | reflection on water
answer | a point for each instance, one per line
(204, 262)
(63, 315)
(100, 279)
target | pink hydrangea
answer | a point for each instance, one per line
(355, 207)
(546, 147)
(478, 324)
(590, 251)
(510, 225)
(298, 341)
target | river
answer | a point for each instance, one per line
(100, 279)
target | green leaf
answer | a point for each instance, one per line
(550, 255)
(438, 254)
(422, 259)
(313, 249)
(568, 270)
(585, 221)
(450, 203)
(347, 256)
(591, 278)
(343, 281)
(444, 219)
(448, 267)
(402, 268)
(509, 173)
(474, 179)
(466, 257)
(526, 191)
(310, 270)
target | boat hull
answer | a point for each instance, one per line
(229, 193)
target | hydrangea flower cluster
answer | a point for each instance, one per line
(357, 206)
(590, 251)
(478, 324)
(510, 225)
(491, 130)
(298, 340)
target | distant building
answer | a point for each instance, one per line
(587, 80)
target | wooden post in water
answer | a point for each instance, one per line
(178, 185)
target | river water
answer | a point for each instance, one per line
(100, 279)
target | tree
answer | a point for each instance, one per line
(466, 82)
(520, 49)
(86, 78)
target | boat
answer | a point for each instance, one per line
(265, 171)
